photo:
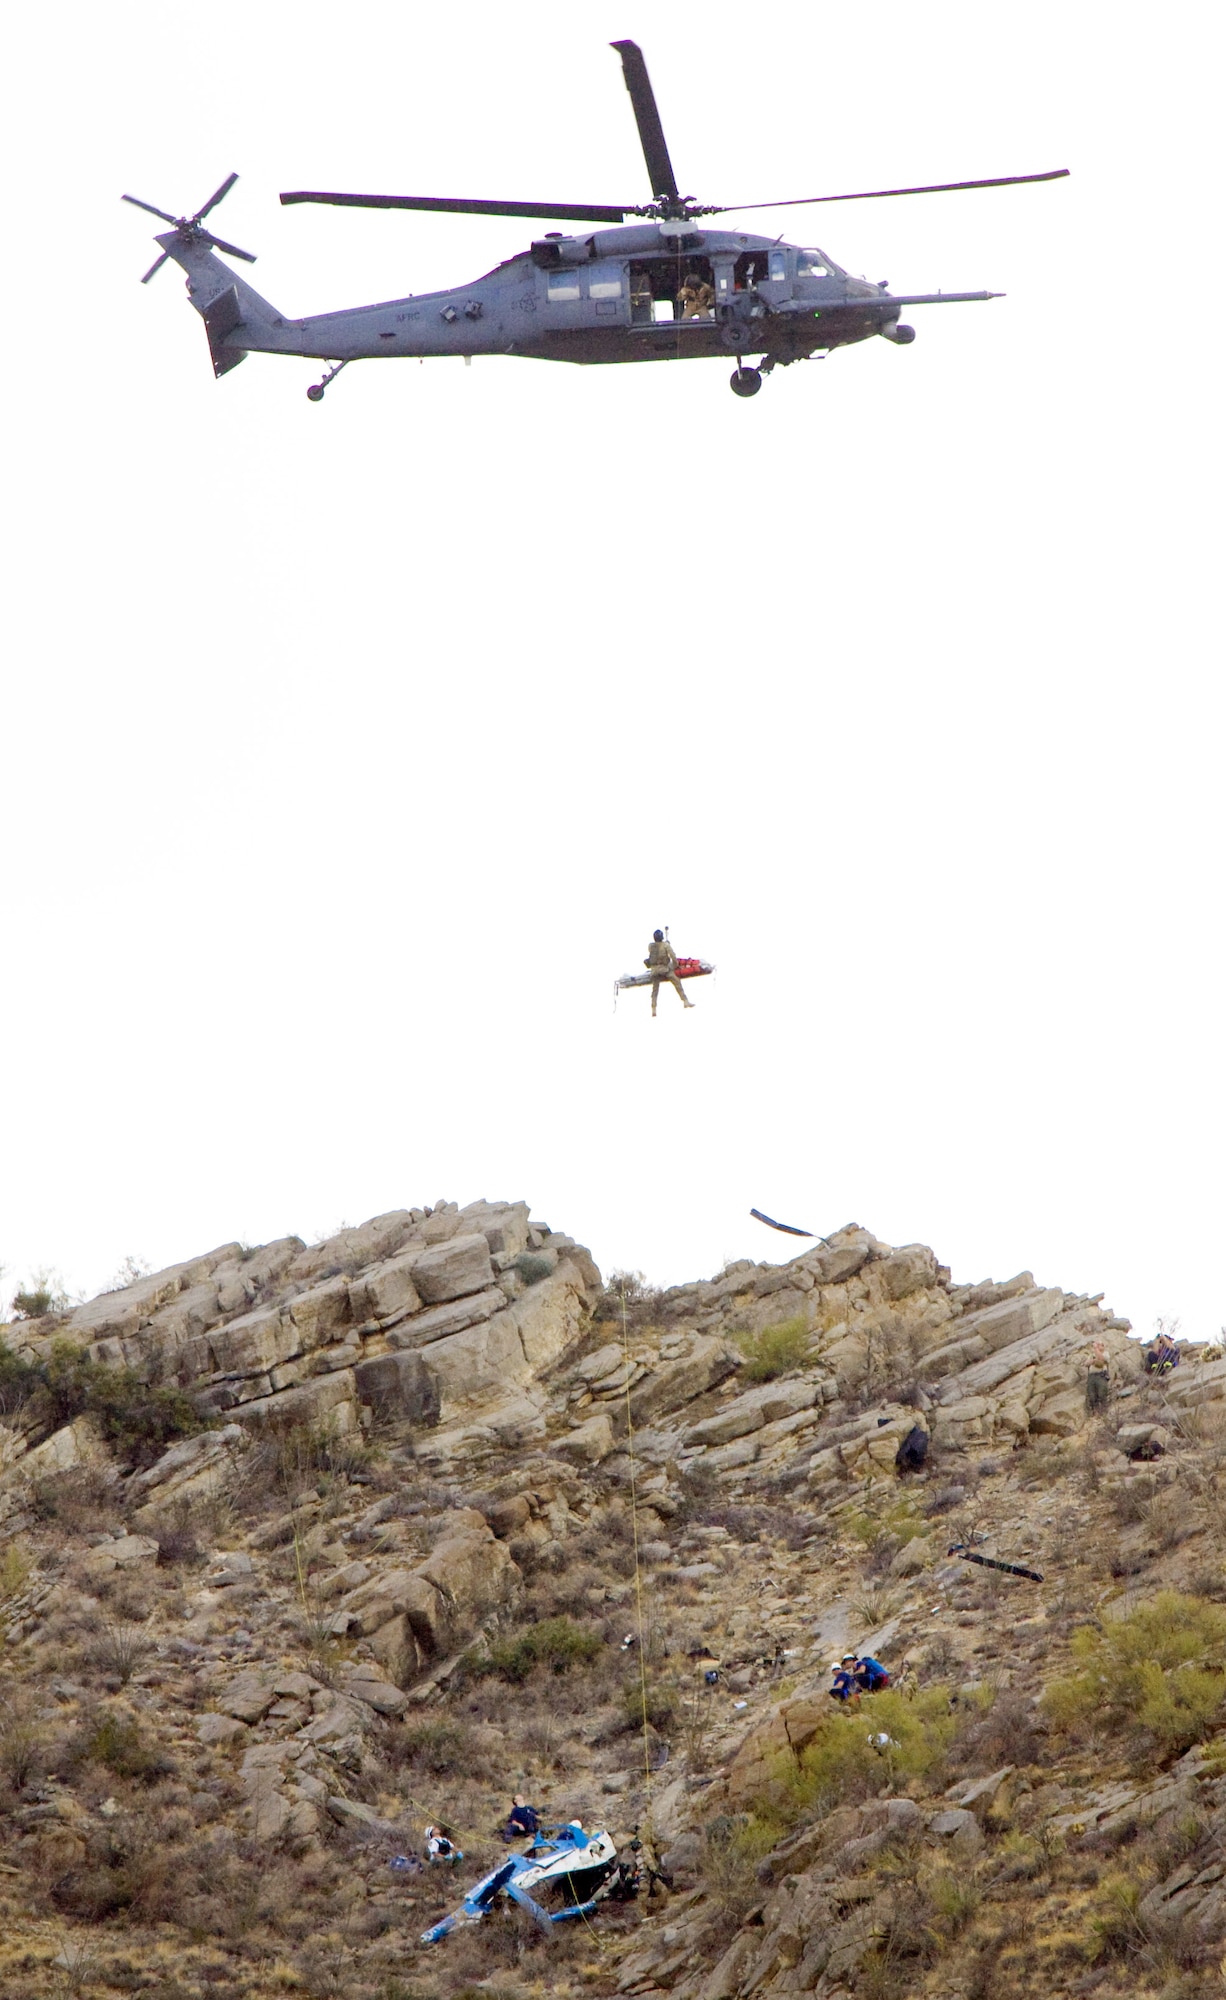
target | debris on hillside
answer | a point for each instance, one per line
(309, 1550)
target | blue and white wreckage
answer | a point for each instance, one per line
(663, 288)
(564, 1874)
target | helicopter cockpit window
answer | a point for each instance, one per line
(562, 286)
(811, 264)
(778, 267)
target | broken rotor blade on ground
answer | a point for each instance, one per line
(786, 1228)
(990, 1562)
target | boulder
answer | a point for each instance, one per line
(763, 1405)
(381, 1695)
(908, 1270)
(192, 1469)
(589, 1442)
(474, 1575)
(504, 1225)
(351, 1812)
(387, 1292)
(216, 1731)
(248, 1697)
(979, 1335)
(507, 1517)
(480, 1365)
(958, 1828)
(846, 1252)
(420, 1328)
(454, 1270)
(254, 1342)
(398, 1385)
(354, 1249)
(126, 1552)
(706, 1362)
(397, 1651)
(552, 1317)
(327, 1397)
(319, 1314)
(123, 1311)
(1061, 1415)
(595, 1367)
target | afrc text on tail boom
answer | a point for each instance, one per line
(659, 288)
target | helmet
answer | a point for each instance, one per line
(658, 936)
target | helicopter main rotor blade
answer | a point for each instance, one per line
(647, 118)
(557, 211)
(213, 199)
(883, 194)
(150, 209)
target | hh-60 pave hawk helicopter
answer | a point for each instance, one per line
(662, 289)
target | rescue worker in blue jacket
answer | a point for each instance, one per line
(844, 1686)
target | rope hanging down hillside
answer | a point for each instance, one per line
(638, 1573)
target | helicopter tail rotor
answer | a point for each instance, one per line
(190, 227)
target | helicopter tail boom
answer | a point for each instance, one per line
(236, 319)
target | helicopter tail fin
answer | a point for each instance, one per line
(236, 319)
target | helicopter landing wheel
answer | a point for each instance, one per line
(745, 382)
(315, 394)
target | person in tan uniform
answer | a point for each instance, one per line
(661, 962)
(696, 297)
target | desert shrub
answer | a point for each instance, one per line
(176, 1538)
(22, 1753)
(1163, 1667)
(1121, 1928)
(532, 1267)
(291, 1457)
(15, 1568)
(119, 1742)
(658, 1701)
(1006, 1733)
(556, 1643)
(843, 1764)
(776, 1350)
(137, 1420)
(33, 1303)
(1132, 1498)
(436, 1747)
(946, 1501)
(732, 1848)
(119, 1650)
(628, 1296)
(81, 1499)
(18, 1381)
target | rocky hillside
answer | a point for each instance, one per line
(304, 1547)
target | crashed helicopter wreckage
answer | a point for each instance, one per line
(565, 1873)
(663, 289)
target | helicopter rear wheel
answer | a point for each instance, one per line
(315, 394)
(745, 382)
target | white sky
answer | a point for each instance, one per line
(350, 751)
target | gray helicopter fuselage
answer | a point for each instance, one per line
(611, 295)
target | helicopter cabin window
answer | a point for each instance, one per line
(811, 264)
(778, 267)
(562, 286)
(605, 288)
